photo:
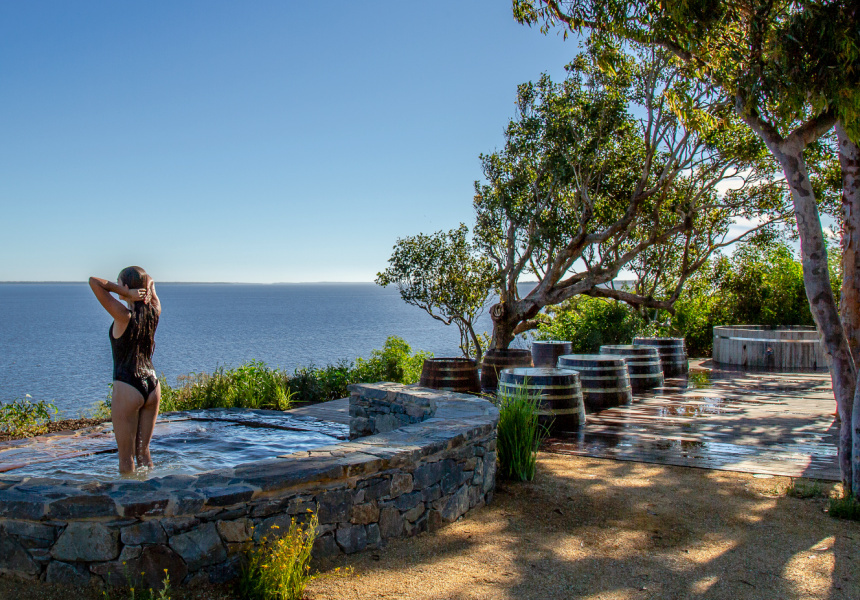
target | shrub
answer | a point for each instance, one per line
(254, 385)
(280, 568)
(589, 323)
(519, 435)
(251, 385)
(25, 418)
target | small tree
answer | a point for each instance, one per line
(599, 174)
(445, 275)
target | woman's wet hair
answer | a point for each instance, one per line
(144, 319)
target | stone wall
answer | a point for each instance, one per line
(406, 479)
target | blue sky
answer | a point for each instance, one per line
(247, 141)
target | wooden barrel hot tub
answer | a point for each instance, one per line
(643, 365)
(673, 354)
(545, 353)
(560, 392)
(605, 382)
(770, 347)
(496, 360)
(451, 374)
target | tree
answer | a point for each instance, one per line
(443, 274)
(599, 175)
(791, 70)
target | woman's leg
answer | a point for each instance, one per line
(124, 409)
(145, 425)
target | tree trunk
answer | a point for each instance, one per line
(849, 304)
(506, 316)
(816, 279)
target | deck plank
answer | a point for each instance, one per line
(755, 422)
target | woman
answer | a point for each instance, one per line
(136, 392)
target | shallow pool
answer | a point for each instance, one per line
(183, 443)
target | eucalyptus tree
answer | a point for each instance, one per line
(598, 175)
(443, 274)
(791, 70)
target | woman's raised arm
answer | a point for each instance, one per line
(103, 288)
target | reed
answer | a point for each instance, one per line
(519, 434)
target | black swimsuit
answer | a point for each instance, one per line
(127, 368)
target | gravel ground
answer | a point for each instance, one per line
(600, 529)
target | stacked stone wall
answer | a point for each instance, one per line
(416, 477)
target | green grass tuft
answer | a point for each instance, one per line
(846, 507)
(806, 488)
(519, 435)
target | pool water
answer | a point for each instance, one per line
(183, 443)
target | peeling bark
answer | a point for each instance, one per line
(816, 278)
(849, 306)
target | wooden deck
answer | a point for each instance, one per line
(755, 422)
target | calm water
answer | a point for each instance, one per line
(183, 443)
(54, 344)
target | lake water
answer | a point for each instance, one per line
(54, 336)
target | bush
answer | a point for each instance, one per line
(25, 418)
(519, 435)
(254, 385)
(280, 568)
(589, 323)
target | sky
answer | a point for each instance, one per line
(264, 141)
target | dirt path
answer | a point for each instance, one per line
(596, 528)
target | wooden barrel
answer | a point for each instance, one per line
(673, 354)
(496, 360)
(643, 365)
(605, 382)
(451, 374)
(560, 392)
(545, 353)
(780, 348)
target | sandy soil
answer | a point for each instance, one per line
(595, 528)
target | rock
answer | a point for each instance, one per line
(175, 525)
(225, 496)
(334, 506)
(199, 547)
(67, 574)
(379, 487)
(450, 476)
(86, 542)
(234, 531)
(226, 571)
(82, 507)
(457, 505)
(14, 559)
(144, 567)
(390, 522)
(17, 505)
(365, 513)
(401, 483)
(325, 546)
(143, 504)
(374, 536)
(409, 501)
(428, 474)
(147, 532)
(413, 513)
(351, 538)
